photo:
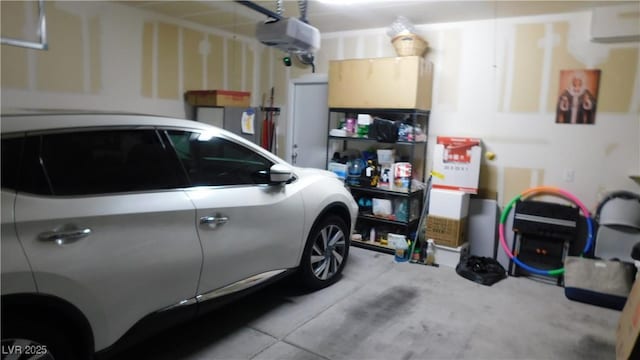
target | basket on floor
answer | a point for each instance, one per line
(409, 45)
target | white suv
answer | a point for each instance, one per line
(114, 223)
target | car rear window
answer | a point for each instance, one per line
(109, 161)
(11, 156)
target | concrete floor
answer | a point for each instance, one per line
(383, 310)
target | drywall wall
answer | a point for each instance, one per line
(497, 80)
(112, 57)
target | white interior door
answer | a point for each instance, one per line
(308, 122)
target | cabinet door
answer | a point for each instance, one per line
(233, 122)
(210, 115)
(230, 118)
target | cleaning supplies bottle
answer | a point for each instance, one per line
(431, 253)
(355, 168)
(371, 173)
(401, 247)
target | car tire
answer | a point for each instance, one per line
(36, 340)
(325, 253)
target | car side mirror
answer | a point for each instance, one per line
(280, 173)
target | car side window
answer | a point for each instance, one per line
(11, 156)
(214, 161)
(109, 161)
(32, 175)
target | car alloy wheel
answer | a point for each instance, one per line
(328, 252)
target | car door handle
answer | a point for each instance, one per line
(62, 237)
(214, 221)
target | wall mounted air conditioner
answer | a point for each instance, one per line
(618, 23)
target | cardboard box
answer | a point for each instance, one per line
(629, 326)
(445, 231)
(218, 98)
(450, 256)
(456, 164)
(381, 83)
(452, 204)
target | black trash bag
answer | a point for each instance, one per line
(483, 270)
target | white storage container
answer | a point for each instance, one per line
(448, 256)
(451, 204)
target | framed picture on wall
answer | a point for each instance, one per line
(578, 96)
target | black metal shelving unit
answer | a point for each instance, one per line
(414, 152)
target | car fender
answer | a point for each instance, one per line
(52, 310)
(76, 295)
(324, 191)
